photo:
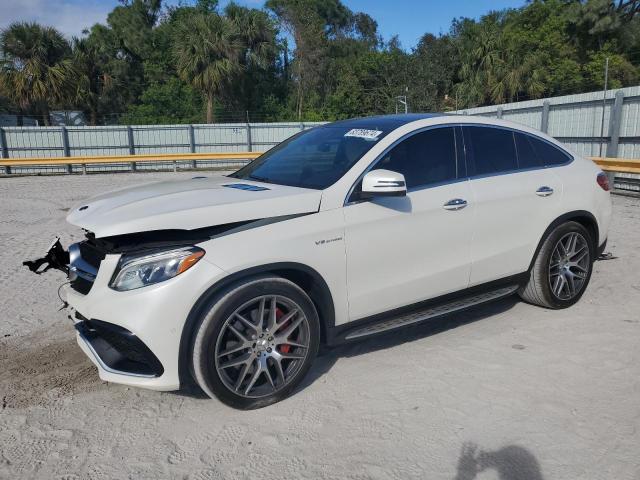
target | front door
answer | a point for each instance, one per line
(402, 250)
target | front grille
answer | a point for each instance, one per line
(91, 254)
(119, 349)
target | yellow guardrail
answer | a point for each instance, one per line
(622, 165)
(93, 159)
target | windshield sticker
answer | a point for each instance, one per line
(363, 133)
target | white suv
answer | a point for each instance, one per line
(340, 232)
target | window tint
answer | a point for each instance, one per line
(493, 149)
(548, 154)
(315, 158)
(425, 158)
(527, 156)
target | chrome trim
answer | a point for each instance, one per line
(78, 267)
(455, 204)
(570, 157)
(107, 368)
(544, 191)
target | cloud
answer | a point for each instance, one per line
(68, 16)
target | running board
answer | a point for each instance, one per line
(431, 312)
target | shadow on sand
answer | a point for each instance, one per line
(510, 463)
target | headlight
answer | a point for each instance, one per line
(137, 272)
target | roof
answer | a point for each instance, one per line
(385, 123)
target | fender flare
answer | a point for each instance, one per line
(320, 294)
(566, 217)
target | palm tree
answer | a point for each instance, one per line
(36, 70)
(93, 81)
(257, 35)
(207, 53)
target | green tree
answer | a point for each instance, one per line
(94, 81)
(166, 103)
(435, 63)
(36, 71)
(258, 76)
(621, 71)
(133, 23)
(207, 53)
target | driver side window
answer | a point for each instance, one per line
(425, 158)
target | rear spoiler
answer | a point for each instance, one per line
(56, 257)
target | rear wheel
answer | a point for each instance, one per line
(562, 268)
(256, 343)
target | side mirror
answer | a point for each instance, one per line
(383, 183)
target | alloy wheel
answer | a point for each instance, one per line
(262, 346)
(569, 266)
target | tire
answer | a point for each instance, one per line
(545, 287)
(272, 355)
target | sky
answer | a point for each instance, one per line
(409, 19)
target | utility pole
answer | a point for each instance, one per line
(402, 99)
(604, 102)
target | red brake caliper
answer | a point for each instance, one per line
(279, 314)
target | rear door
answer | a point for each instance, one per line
(515, 196)
(401, 250)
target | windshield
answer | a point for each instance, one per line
(315, 158)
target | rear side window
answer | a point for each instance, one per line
(424, 158)
(527, 156)
(549, 154)
(493, 149)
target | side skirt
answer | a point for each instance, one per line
(427, 310)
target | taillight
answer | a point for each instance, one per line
(603, 181)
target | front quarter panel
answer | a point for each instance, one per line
(315, 240)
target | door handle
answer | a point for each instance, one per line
(544, 191)
(455, 204)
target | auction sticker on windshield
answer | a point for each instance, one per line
(363, 133)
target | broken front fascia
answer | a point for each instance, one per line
(56, 257)
(139, 243)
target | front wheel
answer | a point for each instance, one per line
(256, 342)
(562, 268)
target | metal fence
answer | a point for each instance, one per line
(21, 142)
(577, 120)
(58, 142)
(595, 124)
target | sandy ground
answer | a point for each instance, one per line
(508, 391)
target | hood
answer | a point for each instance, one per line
(190, 204)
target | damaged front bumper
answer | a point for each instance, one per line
(133, 337)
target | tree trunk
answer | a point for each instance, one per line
(45, 115)
(300, 94)
(93, 118)
(209, 108)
